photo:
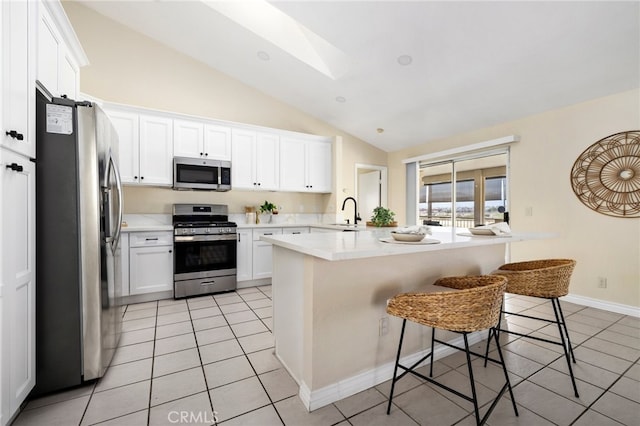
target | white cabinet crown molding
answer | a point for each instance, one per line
(69, 37)
(214, 121)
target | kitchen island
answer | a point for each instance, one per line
(330, 291)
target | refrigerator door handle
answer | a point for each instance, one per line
(116, 236)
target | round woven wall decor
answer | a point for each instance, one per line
(606, 176)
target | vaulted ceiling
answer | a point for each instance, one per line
(397, 74)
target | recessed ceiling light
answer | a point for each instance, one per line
(341, 99)
(405, 59)
(263, 55)
(380, 130)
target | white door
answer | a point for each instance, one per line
(156, 150)
(151, 269)
(318, 162)
(267, 161)
(217, 142)
(18, 277)
(292, 165)
(243, 159)
(188, 139)
(262, 260)
(368, 193)
(18, 95)
(244, 255)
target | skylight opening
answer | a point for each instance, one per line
(273, 25)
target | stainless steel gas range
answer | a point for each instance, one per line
(204, 259)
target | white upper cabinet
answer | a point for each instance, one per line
(305, 165)
(145, 148)
(319, 167)
(293, 171)
(60, 54)
(126, 124)
(255, 160)
(217, 142)
(156, 150)
(17, 93)
(198, 139)
(188, 139)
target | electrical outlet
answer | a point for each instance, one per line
(383, 326)
(602, 282)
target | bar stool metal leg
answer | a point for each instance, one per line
(395, 370)
(564, 345)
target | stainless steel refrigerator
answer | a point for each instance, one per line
(78, 222)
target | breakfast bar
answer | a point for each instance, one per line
(330, 291)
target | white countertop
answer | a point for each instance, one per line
(163, 222)
(146, 222)
(364, 244)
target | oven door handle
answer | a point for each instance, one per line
(189, 238)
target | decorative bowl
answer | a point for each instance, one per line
(407, 237)
(481, 231)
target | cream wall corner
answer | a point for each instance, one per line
(541, 163)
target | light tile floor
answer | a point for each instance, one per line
(180, 360)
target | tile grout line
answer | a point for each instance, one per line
(153, 362)
(257, 376)
(204, 375)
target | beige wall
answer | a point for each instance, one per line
(127, 67)
(540, 166)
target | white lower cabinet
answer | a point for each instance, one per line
(255, 257)
(244, 254)
(124, 263)
(17, 281)
(263, 253)
(150, 262)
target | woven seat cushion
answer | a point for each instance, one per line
(546, 278)
(475, 306)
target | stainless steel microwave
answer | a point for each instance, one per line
(201, 173)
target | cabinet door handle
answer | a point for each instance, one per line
(207, 282)
(15, 167)
(296, 232)
(201, 154)
(152, 239)
(141, 177)
(170, 251)
(15, 135)
(135, 177)
(268, 233)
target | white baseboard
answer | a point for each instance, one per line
(601, 304)
(313, 400)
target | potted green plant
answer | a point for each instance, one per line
(382, 217)
(268, 207)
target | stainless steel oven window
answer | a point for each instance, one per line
(194, 255)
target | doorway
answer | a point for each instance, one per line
(371, 189)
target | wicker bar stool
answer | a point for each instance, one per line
(547, 279)
(475, 306)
